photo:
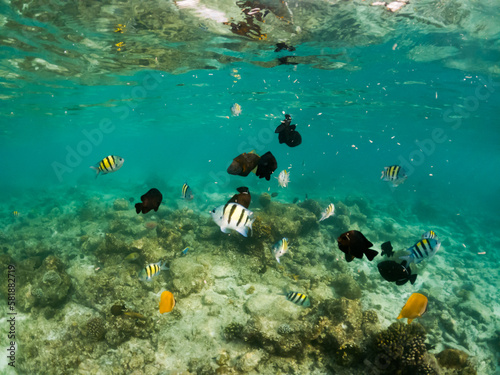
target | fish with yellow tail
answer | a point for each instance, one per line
(109, 164)
(152, 270)
(329, 211)
(415, 307)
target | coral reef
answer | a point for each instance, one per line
(401, 349)
(231, 315)
(96, 329)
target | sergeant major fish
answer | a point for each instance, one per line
(329, 211)
(187, 193)
(283, 178)
(280, 248)
(109, 164)
(423, 249)
(394, 174)
(298, 298)
(233, 216)
(152, 270)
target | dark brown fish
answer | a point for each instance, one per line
(287, 133)
(267, 165)
(150, 201)
(274, 195)
(243, 164)
(354, 244)
(242, 198)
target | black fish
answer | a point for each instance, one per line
(274, 195)
(242, 198)
(387, 249)
(267, 165)
(243, 164)
(287, 133)
(295, 200)
(354, 244)
(396, 272)
(150, 201)
(281, 46)
(131, 199)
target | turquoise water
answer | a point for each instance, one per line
(371, 88)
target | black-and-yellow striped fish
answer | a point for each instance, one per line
(109, 164)
(395, 174)
(298, 299)
(187, 193)
(152, 270)
(15, 213)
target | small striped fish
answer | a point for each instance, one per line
(283, 178)
(109, 164)
(298, 299)
(329, 211)
(152, 270)
(423, 249)
(280, 248)
(429, 235)
(394, 174)
(233, 216)
(187, 193)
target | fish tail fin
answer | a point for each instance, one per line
(163, 266)
(381, 177)
(138, 207)
(97, 171)
(412, 279)
(243, 231)
(370, 254)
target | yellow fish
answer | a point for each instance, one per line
(415, 307)
(167, 302)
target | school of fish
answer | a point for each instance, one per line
(234, 215)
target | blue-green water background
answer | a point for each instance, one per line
(353, 123)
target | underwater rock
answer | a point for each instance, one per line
(120, 204)
(187, 276)
(250, 360)
(313, 206)
(341, 223)
(346, 286)
(50, 286)
(359, 201)
(96, 329)
(262, 230)
(290, 220)
(264, 200)
(452, 358)
(168, 237)
(356, 216)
